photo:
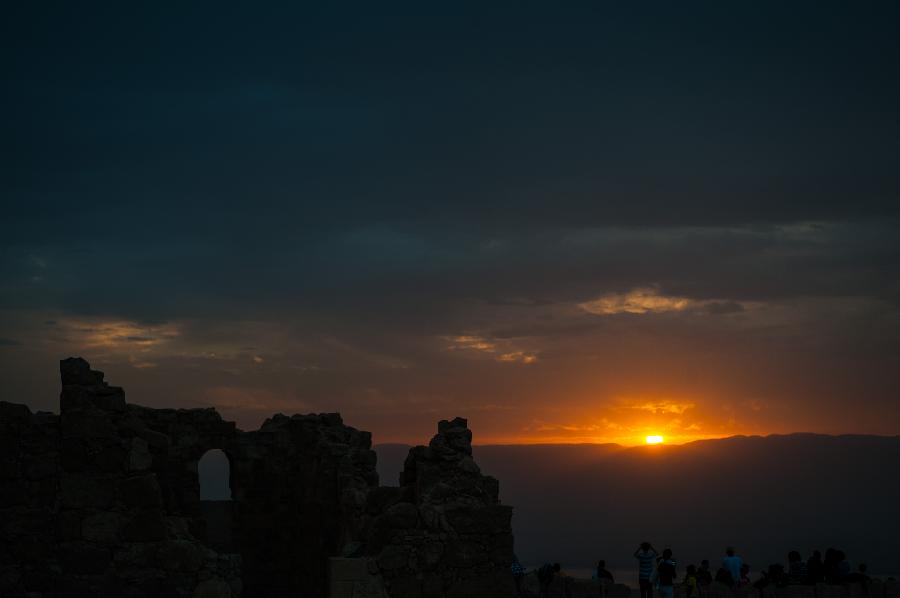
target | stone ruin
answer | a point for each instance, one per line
(103, 500)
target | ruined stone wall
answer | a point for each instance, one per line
(300, 486)
(103, 499)
(29, 480)
(443, 533)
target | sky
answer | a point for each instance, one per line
(568, 222)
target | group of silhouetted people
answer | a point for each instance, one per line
(657, 571)
(834, 569)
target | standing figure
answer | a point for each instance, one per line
(732, 563)
(646, 556)
(666, 573)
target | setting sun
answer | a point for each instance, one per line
(654, 439)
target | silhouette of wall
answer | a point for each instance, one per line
(104, 499)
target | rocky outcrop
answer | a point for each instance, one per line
(443, 532)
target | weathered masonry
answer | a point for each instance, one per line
(103, 500)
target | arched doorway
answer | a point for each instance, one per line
(214, 470)
(214, 473)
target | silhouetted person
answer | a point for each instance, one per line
(861, 575)
(602, 574)
(518, 573)
(704, 575)
(646, 556)
(843, 566)
(830, 566)
(546, 575)
(815, 569)
(774, 576)
(797, 572)
(732, 563)
(724, 576)
(666, 575)
(690, 583)
(744, 581)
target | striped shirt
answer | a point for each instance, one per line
(648, 562)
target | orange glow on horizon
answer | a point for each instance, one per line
(654, 439)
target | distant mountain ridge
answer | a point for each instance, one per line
(767, 495)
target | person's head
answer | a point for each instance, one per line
(556, 567)
(691, 569)
(729, 551)
(863, 567)
(645, 546)
(817, 555)
(704, 564)
(667, 553)
(601, 564)
(793, 556)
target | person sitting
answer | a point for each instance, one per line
(690, 584)
(704, 575)
(723, 576)
(518, 573)
(859, 576)
(744, 582)
(602, 574)
(546, 574)
(815, 569)
(797, 572)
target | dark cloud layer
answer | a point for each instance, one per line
(536, 212)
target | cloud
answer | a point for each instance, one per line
(471, 343)
(659, 407)
(518, 357)
(502, 350)
(636, 301)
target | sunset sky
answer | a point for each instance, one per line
(582, 223)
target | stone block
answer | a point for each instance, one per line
(104, 527)
(77, 371)
(141, 491)
(180, 555)
(402, 515)
(344, 569)
(139, 457)
(464, 553)
(213, 588)
(13, 494)
(37, 467)
(14, 413)
(88, 424)
(407, 586)
(86, 491)
(146, 525)
(393, 557)
(83, 558)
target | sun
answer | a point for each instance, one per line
(654, 439)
